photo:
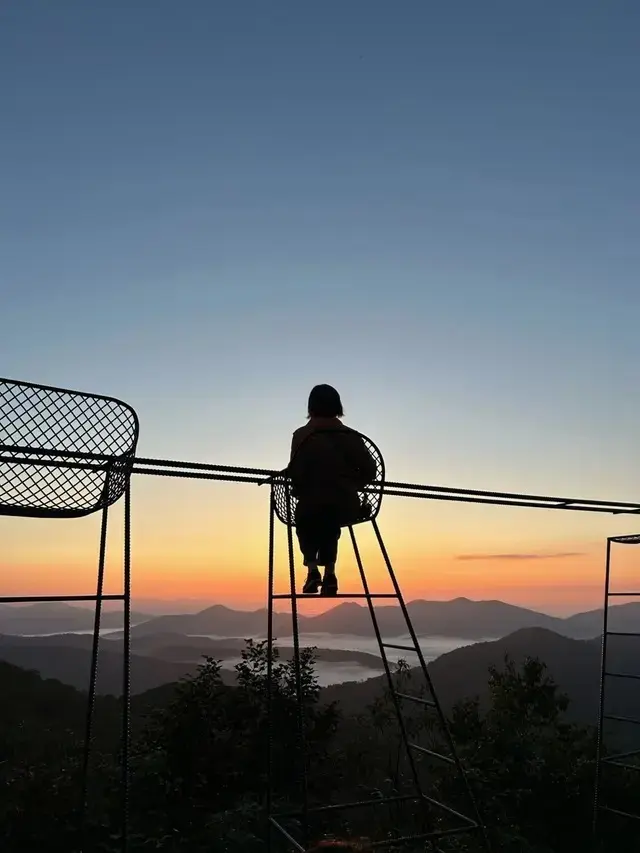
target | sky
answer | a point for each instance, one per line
(208, 207)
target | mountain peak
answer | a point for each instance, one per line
(215, 608)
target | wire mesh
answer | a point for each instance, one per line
(615, 728)
(285, 501)
(62, 453)
(67, 454)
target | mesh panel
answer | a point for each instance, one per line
(370, 500)
(62, 453)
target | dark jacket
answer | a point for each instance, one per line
(329, 465)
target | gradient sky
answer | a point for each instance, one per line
(208, 207)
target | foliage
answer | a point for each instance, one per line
(199, 762)
(532, 770)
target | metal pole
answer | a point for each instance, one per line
(91, 699)
(387, 670)
(297, 672)
(603, 678)
(270, 668)
(441, 716)
(126, 675)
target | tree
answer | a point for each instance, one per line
(533, 772)
(201, 764)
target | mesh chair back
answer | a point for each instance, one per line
(370, 497)
(62, 453)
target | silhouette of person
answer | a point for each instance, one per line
(329, 465)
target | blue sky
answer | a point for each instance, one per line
(208, 207)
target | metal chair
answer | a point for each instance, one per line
(296, 827)
(63, 454)
(370, 498)
(67, 454)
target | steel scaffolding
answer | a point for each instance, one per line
(66, 454)
(432, 812)
(625, 761)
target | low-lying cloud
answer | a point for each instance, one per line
(558, 555)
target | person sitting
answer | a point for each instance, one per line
(329, 465)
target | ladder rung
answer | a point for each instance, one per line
(623, 633)
(622, 675)
(430, 752)
(621, 719)
(402, 798)
(622, 764)
(287, 835)
(428, 702)
(32, 599)
(423, 836)
(618, 812)
(630, 753)
(631, 594)
(400, 648)
(434, 835)
(449, 810)
(288, 595)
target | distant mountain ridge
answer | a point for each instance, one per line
(460, 674)
(573, 664)
(57, 617)
(459, 617)
(156, 659)
(70, 665)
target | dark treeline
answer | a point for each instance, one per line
(198, 764)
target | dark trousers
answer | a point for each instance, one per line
(318, 532)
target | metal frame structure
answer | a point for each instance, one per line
(70, 496)
(283, 504)
(68, 454)
(260, 476)
(622, 760)
(63, 454)
(370, 496)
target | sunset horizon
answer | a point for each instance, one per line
(440, 226)
(319, 459)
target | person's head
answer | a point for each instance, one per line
(324, 402)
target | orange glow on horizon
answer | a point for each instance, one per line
(194, 540)
(552, 583)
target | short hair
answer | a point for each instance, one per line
(325, 402)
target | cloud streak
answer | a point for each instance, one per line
(558, 555)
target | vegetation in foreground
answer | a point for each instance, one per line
(199, 764)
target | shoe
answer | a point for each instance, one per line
(312, 583)
(329, 586)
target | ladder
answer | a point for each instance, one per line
(624, 761)
(296, 827)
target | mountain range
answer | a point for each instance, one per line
(463, 673)
(156, 659)
(573, 664)
(57, 617)
(460, 617)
